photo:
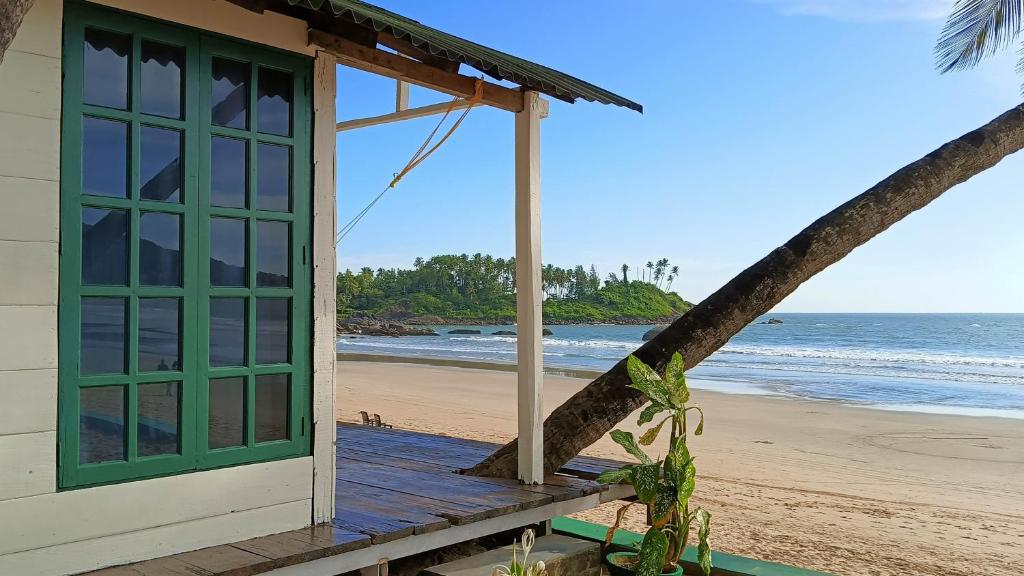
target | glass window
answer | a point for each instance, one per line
(159, 334)
(272, 333)
(274, 104)
(104, 246)
(159, 249)
(229, 172)
(103, 336)
(106, 68)
(227, 331)
(160, 164)
(159, 424)
(272, 397)
(273, 190)
(161, 85)
(104, 157)
(230, 104)
(273, 247)
(101, 429)
(227, 252)
(226, 426)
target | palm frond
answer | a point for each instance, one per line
(976, 29)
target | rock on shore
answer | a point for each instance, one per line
(369, 326)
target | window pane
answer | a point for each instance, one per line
(106, 69)
(159, 249)
(103, 336)
(272, 407)
(272, 330)
(227, 252)
(162, 66)
(230, 93)
(160, 164)
(104, 157)
(158, 427)
(229, 172)
(104, 246)
(274, 107)
(159, 334)
(226, 426)
(227, 331)
(273, 242)
(101, 428)
(274, 178)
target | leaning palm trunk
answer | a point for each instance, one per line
(595, 410)
(11, 14)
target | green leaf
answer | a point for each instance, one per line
(675, 380)
(688, 482)
(626, 440)
(700, 425)
(704, 543)
(664, 503)
(676, 461)
(651, 558)
(646, 380)
(648, 414)
(651, 435)
(615, 476)
(645, 482)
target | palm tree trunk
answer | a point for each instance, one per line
(593, 411)
(12, 12)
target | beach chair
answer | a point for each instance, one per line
(366, 418)
(377, 422)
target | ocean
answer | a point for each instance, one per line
(969, 364)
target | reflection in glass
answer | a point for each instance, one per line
(160, 164)
(103, 336)
(230, 93)
(273, 240)
(272, 316)
(272, 407)
(227, 331)
(106, 69)
(161, 74)
(274, 104)
(226, 424)
(104, 246)
(228, 172)
(273, 178)
(104, 157)
(159, 249)
(159, 334)
(159, 421)
(227, 252)
(101, 429)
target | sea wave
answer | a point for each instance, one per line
(877, 356)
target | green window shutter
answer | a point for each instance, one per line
(184, 321)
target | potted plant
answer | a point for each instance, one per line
(664, 486)
(517, 568)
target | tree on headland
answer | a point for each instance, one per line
(975, 28)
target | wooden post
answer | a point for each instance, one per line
(401, 95)
(529, 294)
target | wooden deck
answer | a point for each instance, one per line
(397, 494)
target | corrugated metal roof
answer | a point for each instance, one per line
(489, 61)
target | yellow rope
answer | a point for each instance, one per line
(421, 154)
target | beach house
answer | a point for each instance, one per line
(167, 313)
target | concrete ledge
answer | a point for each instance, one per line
(562, 556)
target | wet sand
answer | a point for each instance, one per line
(847, 490)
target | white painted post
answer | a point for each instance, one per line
(401, 95)
(529, 295)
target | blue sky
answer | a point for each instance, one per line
(760, 116)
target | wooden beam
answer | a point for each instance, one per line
(401, 68)
(406, 47)
(529, 291)
(408, 114)
(401, 95)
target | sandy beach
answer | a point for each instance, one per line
(846, 490)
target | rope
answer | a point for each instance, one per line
(421, 154)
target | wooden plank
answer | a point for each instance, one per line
(379, 529)
(29, 469)
(390, 506)
(31, 277)
(409, 114)
(388, 459)
(408, 70)
(324, 305)
(29, 146)
(456, 514)
(401, 96)
(529, 292)
(28, 402)
(29, 338)
(282, 548)
(225, 559)
(331, 538)
(405, 47)
(31, 209)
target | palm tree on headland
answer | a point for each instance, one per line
(672, 275)
(976, 28)
(625, 272)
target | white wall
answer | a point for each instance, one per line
(43, 531)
